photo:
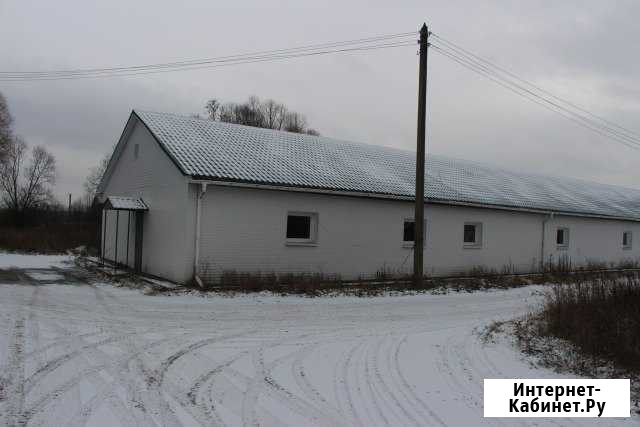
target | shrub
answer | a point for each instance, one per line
(600, 317)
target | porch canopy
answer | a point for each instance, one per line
(125, 204)
(134, 207)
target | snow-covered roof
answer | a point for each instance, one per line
(221, 151)
(126, 203)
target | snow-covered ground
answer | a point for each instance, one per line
(78, 354)
(11, 260)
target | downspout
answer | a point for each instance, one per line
(546, 219)
(196, 258)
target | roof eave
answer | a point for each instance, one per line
(350, 193)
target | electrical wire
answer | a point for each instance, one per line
(370, 43)
(220, 58)
(463, 51)
(575, 115)
(538, 99)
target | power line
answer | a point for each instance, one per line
(225, 64)
(466, 52)
(544, 99)
(551, 107)
(219, 58)
(370, 43)
(535, 98)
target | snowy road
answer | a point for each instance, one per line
(78, 354)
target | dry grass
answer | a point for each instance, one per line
(590, 326)
(601, 318)
(230, 282)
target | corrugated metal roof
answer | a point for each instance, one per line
(215, 150)
(126, 203)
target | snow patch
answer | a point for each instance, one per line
(12, 260)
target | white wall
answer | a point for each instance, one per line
(592, 239)
(167, 233)
(244, 230)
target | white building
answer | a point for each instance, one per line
(211, 197)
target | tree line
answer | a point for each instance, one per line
(255, 112)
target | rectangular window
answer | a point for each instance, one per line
(302, 227)
(562, 238)
(626, 240)
(472, 237)
(409, 232)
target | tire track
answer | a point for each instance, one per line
(383, 387)
(293, 402)
(87, 374)
(376, 398)
(409, 394)
(342, 384)
(160, 383)
(12, 378)
(52, 365)
(307, 388)
(195, 392)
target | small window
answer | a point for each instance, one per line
(136, 151)
(301, 227)
(472, 235)
(626, 240)
(562, 238)
(409, 232)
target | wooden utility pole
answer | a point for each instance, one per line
(418, 240)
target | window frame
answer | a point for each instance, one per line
(136, 151)
(313, 229)
(411, 243)
(479, 235)
(629, 244)
(566, 233)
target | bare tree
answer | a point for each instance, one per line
(212, 107)
(26, 185)
(227, 113)
(273, 113)
(281, 117)
(39, 175)
(295, 122)
(92, 180)
(10, 168)
(5, 126)
(247, 114)
(268, 114)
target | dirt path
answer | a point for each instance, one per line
(78, 354)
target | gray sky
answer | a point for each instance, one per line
(586, 51)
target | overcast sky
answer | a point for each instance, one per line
(586, 51)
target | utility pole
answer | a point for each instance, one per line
(418, 239)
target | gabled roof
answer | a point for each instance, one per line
(221, 151)
(125, 204)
